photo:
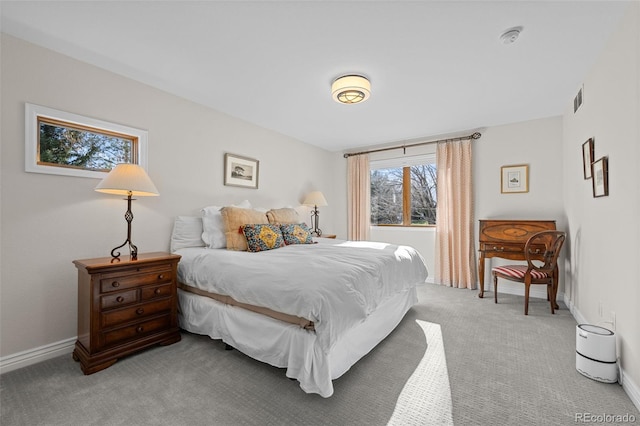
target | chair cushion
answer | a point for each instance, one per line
(518, 271)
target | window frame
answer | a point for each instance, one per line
(406, 184)
(34, 114)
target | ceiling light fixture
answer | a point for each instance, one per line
(351, 89)
(511, 35)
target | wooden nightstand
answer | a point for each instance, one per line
(125, 306)
(328, 236)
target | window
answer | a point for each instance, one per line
(403, 191)
(62, 143)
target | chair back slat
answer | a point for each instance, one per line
(552, 242)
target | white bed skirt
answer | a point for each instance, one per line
(287, 345)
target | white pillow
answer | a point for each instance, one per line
(187, 232)
(213, 232)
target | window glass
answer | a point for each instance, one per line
(423, 194)
(66, 145)
(404, 194)
(386, 196)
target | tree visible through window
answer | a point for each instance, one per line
(404, 195)
(67, 145)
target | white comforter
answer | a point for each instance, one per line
(335, 284)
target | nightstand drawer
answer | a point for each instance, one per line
(136, 330)
(122, 316)
(119, 299)
(119, 281)
(125, 306)
(154, 292)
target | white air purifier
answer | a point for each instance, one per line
(596, 353)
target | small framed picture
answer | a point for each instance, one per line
(587, 157)
(600, 173)
(514, 178)
(241, 171)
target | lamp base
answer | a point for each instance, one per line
(133, 250)
(315, 221)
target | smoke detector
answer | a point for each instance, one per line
(511, 35)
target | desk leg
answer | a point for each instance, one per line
(481, 275)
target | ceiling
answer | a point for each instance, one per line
(436, 67)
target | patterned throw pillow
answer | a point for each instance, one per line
(233, 218)
(261, 237)
(296, 233)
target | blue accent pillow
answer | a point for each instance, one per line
(261, 237)
(296, 233)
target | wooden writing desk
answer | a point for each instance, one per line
(506, 239)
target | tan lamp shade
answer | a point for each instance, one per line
(315, 198)
(125, 179)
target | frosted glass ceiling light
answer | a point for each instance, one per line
(351, 89)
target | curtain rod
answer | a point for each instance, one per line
(475, 135)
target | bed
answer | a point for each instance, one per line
(313, 309)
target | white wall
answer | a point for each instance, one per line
(48, 220)
(537, 143)
(603, 275)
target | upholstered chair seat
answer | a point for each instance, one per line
(541, 252)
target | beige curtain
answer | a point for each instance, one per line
(358, 193)
(455, 253)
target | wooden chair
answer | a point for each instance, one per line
(544, 247)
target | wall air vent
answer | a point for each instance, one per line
(577, 101)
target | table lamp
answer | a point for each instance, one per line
(130, 180)
(315, 199)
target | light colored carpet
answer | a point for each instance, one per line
(503, 369)
(426, 397)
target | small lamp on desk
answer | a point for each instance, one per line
(130, 180)
(315, 199)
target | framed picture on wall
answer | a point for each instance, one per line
(587, 157)
(600, 173)
(241, 171)
(514, 178)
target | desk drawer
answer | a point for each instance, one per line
(510, 250)
(501, 247)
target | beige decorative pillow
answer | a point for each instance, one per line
(233, 218)
(283, 216)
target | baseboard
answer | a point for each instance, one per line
(630, 387)
(39, 354)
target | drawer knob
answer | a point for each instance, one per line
(140, 329)
(115, 284)
(158, 291)
(140, 311)
(119, 299)
(161, 277)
